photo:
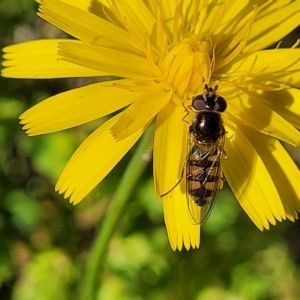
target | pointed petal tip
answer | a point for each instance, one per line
(28, 133)
(179, 247)
(292, 218)
(29, 130)
(116, 134)
(187, 246)
(119, 133)
(68, 194)
(25, 126)
(74, 200)
(174, 243)
(190, 245)
(260, 227)
(61, 188)
(57, 188)
(195, 244)
(173, 247)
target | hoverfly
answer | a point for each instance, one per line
(205, 150)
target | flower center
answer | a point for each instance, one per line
(187, 66)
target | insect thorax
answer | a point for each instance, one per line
(207, 127)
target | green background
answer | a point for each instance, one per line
(45, 241)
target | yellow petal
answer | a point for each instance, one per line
(181, 230)
(198, 17)
(249, 178)
(286, 103)
(233, 12)
(233, 31)
(85, 26)
(284, 172)
(39, 59)
(76, 107)
(136, 14)
(272, 23)
(168, 10)
(288, 78)
(110, 61)
(170, 147)
(142, 110)
(266, 62)
(98, 8)
(92, 161)
(83, 4)
(191, 14)
(265, 120)
(252, 112)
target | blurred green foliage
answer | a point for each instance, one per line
(45, 241)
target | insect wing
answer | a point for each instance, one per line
(202, 177)
(190, 171)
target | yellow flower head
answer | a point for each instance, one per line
(163, 53)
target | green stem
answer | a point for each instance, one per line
(128, 182)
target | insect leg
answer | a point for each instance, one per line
(175, 184)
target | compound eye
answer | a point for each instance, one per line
(199, 103)
(220, 104)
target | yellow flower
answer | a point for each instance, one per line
(163, 52)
